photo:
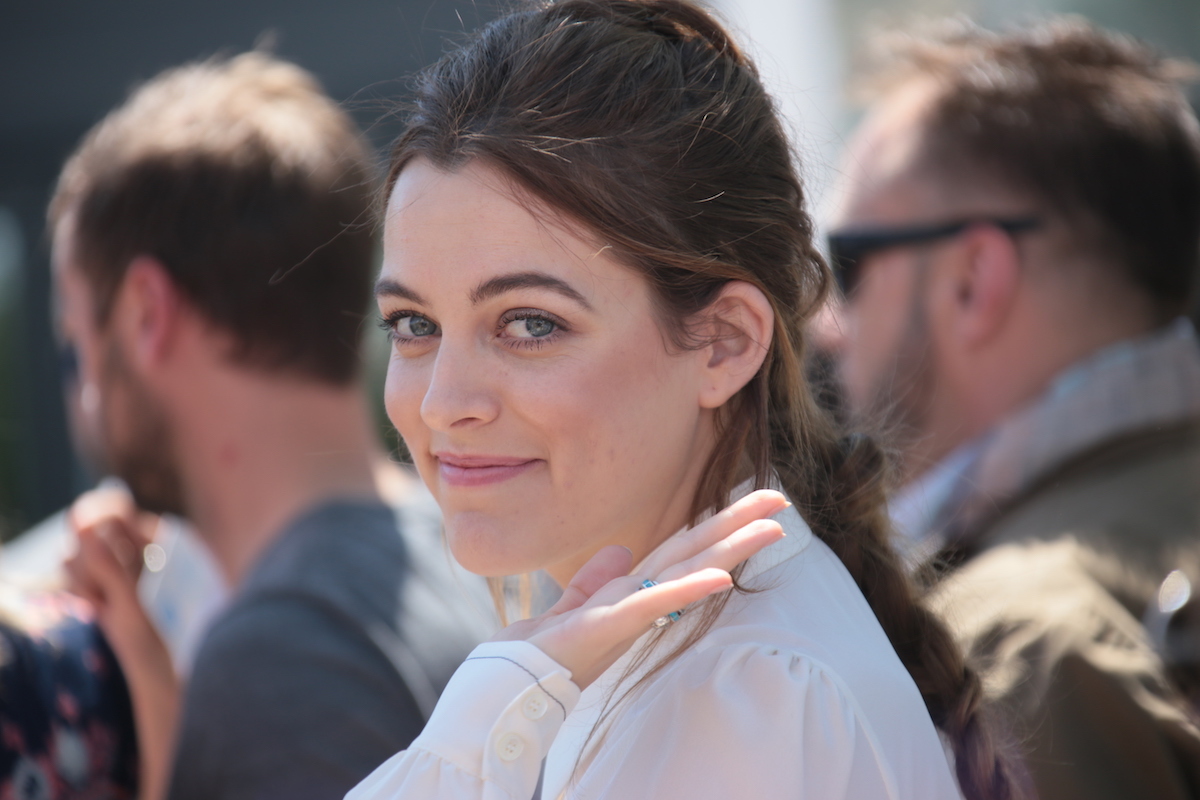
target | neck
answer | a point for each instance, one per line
(927, 449)
(262, 451)
(1010, 378)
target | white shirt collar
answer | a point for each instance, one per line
(796, 539)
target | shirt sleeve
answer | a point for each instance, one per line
(487, 736)
(739, 721)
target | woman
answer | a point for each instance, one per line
(597, 268)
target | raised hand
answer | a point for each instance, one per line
(112, 534)
(605, 608)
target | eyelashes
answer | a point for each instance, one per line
(518, 328)
(418, 326)
(530, 327)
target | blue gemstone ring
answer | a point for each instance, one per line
(667, 619)
(664, 621)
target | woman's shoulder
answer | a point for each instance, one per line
(756, 677)
(774, 708)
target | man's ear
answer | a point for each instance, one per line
(147, 310)
(738, 325)
(985, 284)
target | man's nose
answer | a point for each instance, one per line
(828, 329)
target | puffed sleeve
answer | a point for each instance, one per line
(739, 721)
(487, 736)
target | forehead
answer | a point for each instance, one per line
(448, 227)
(73, 297)
(69, 282)
(880, 166)
(62, 242)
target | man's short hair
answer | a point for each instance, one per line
(254, 190)
(1093, 125)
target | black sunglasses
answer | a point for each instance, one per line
(847, 249)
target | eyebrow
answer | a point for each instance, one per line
(500, 284)
(386, 287)
(493, 287)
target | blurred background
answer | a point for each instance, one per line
(64, 63)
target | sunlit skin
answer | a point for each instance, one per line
(531, 381)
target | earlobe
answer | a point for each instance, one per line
(739, 325)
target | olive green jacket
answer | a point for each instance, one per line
(1047, 599)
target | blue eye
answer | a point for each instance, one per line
(418, 326)
(406, 326)
(539, 327)
(530, 328)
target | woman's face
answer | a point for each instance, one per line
(530, 379)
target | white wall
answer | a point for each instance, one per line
(796, 45)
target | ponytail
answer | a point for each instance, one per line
(850, 519)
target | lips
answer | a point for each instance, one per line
(473, 470)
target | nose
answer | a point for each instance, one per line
(461, 391)
(828, 330)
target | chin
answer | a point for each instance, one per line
(483, 546)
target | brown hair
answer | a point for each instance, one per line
(1094, 126)
(253, 189)
(643, 122)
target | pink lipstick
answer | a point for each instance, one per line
(467, 471)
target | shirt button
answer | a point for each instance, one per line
(509, 747)
(535, 706)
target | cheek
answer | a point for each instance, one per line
(403, 392)
(621, 417)
(875, 324)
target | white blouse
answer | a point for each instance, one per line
(795, 692)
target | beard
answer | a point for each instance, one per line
(899, 402)
(135, 439)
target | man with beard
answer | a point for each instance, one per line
(212, 261)
(1019, 238)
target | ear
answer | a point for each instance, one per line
(739, 325)
(985, 285)
(147, 311)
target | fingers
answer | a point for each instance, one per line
(97, 574)
(730, 551)
(97, 505)
(609, 563)
(79, 581)
(100, 571)
(591, 638)
(640, 609)
(110, 503)
(108, 516)
(754, 506)
(632, 605)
